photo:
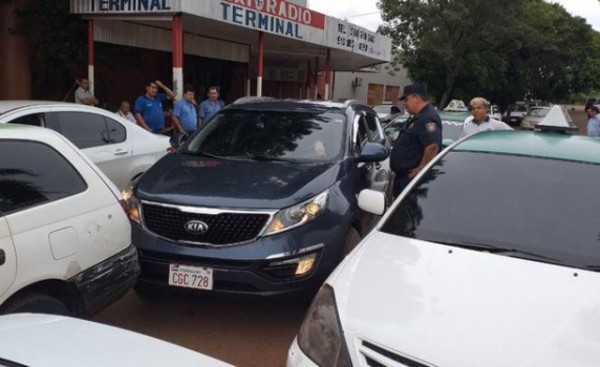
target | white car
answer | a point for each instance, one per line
(120, 148)
(65, 241)
(489, 257)
(37, 340)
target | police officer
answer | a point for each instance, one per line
(419, 140)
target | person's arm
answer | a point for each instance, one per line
(429, 153)
(177, 124)
(168, 91)
(201, 114)
(140, 121)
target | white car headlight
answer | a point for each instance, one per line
(298, 215)
(132, 203)
(321, 337)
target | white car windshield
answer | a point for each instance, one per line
(478, 198)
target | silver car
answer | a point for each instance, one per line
(121, 149)
(534, 116)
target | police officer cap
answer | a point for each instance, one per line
(417, 88)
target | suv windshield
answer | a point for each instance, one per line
(526, 204)
(271, 135)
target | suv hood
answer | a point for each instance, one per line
(466, 308)
(234, 183)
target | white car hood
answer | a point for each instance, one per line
(446, 306)
(37, 340)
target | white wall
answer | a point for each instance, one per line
(344, 88)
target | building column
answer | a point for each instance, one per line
(177, 34)
(316, 76)
(91, 55)
(248, 73)
(327, 74)
(259, 74)
(308, 75)
(15, 73)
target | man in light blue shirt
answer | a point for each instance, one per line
(210, 106)
(184, 113)
(593, 125)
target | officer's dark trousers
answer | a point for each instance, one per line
(401, 180)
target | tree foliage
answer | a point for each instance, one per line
(505, 50)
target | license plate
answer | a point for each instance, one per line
(190, 277)
(513, 119)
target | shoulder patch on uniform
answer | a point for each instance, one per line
(431, 127)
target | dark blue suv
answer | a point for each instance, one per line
(262, 200)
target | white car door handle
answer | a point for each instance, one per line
(119, 152)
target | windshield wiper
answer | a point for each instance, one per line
(202, 153)
(505, 251)
(267, 158)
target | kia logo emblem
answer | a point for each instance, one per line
(196, 227)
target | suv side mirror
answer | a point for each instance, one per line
(177, 140)
(372, 201)
(373, 152)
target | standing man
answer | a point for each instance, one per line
(184, 114)
(83, 94)
(420, 139)
(209, 107)
(593, 125)
(148, 109)
(481, 119)
(125, 111)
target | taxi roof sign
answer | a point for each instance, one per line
(556, 120)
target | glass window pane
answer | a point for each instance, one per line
(531, 204)
(33, 173)
(116, 132)
(85, 130)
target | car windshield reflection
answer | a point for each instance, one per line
(271, 136)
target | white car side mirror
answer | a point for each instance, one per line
(372, 201)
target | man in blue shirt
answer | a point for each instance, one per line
(593, 125)
(148, 109)
(184, 113)
(210, 106)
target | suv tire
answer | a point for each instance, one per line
(352, 239)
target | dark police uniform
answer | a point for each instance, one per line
(419, 131)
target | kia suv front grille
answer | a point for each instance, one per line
(208, 227)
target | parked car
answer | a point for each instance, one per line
(495, 112)
(383, 110)
(121, 149)
(489, 257)
(452, 123)
(65, 240)
(262, 199)
(456, 105)
(534, 116)
(37, 340)
(515, 113)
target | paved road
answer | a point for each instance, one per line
(250, 332)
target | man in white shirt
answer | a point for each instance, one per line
(83, 94)
(481, 120)
(125, 111)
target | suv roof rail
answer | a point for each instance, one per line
(252, 99)
(349, 102)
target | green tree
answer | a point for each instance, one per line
(441, 39)
(504, 51)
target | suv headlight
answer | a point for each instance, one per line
(321, 337)
(132, 203)
(299, 214)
